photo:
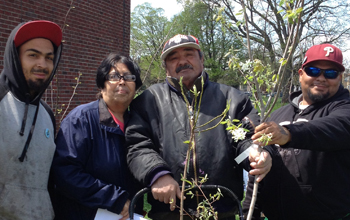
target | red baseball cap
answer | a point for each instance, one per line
(177, 41)
(324, 52)
(38, 29)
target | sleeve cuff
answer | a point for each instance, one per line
(156, 173)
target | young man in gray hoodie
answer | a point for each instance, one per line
(27, 124)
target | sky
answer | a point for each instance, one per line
(170, 6)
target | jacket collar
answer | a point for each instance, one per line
(174, 84)
(342, 93)
(106, 117)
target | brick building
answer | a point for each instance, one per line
(93, 29)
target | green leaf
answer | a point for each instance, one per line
(218, 18)
(187, 181)
(290, 20)
(299, 10)
(280, 11)
(274, 77)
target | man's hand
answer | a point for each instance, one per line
(125, 211)
(280, 134)
(261, 163)
(166, 189)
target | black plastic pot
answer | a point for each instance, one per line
(223, 189)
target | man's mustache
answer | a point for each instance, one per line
(40, 71)
(186, 66)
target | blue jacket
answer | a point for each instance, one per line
(89, 166)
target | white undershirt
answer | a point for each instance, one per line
(301, 106)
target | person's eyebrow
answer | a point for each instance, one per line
(172, 53)
(189, 49)
(39, 52)
(119, 73)
(185, 49)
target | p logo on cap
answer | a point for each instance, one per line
(329, 50)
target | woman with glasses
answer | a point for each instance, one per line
(89, 168)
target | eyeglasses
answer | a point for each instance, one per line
(117, 78)
(316, 72)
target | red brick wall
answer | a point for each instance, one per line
(96, 28)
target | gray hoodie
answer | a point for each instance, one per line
(25, 123)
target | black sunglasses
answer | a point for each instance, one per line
(316, 72)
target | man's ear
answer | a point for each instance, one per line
(300, 72)
(166, 72)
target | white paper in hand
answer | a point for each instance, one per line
(104, 214)
(245, 153)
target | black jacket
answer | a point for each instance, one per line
(156, 135)
(310, 175)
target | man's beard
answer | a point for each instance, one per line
(35, 87)
(317, 97)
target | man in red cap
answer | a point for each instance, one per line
(309, 178)
(155, 136)
(27, 123)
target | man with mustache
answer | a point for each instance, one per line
(155, 136)
(27, 123)
(309, 179)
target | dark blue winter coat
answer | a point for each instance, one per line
(89, 166)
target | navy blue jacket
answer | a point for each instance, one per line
(89, 167)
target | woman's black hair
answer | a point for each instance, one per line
(110, 61)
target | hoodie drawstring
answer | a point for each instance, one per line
(24, 120)
(21, 158)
